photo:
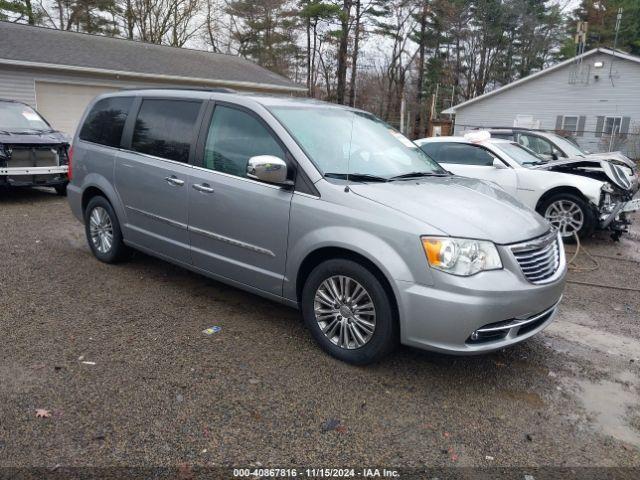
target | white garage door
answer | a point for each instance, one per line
(63, 104)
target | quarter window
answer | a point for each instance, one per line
(234, 137)
(105, 121)
(165, 128)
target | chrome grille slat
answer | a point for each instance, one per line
(534, 256)
(539, 259)
(537, 266)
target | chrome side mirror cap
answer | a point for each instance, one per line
(269, 169)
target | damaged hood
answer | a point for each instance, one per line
(619, 176)
(459, 206)
(615, 156)
(32, 138)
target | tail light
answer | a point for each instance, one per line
(70, 158)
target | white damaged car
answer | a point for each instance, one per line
(577, 196)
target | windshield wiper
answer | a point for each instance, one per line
(418, 174)
(357, 177)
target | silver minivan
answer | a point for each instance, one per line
(318, 206)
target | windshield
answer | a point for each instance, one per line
(19, 117)
(341, 142)
(568, 147)
(520, 154)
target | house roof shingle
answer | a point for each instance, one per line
(46, 47)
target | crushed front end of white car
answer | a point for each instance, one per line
(620, 185)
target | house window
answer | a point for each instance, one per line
(570, 124)
(612, 125)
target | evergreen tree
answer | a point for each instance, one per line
(264, 31)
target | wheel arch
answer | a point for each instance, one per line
(96, 185)
(316, 257)
(557, 190)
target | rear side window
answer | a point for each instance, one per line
(165, 128)
(105, 121)
(461, 153)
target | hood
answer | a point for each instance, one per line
(18, 138)
(459, 206)
(615, 174)
(614, 156)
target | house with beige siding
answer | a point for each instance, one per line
(60, 72)
(594, 98)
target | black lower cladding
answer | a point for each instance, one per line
(496, 335)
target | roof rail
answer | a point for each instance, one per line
(195, 89)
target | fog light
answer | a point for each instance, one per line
(474, 335)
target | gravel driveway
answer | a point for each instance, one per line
(117, 356)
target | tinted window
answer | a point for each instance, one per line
(234, 137)
(105, 121)
(165, 128)
(458, 153)
(504, 136)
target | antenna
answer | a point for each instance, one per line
(580, 39)
(353, 119)
(615, 41)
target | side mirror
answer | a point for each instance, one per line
(497, 163)
(269, 169)
(554, 156)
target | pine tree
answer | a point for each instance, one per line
(264, 31)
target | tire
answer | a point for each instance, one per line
(117, 250)
(369, 346)
(553, 207)
(61, 190)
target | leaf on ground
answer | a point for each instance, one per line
(42, 413)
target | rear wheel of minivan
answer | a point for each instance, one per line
(349, 312)
(103, 231)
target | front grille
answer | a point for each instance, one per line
(540, 258)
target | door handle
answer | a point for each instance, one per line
(174, 181)
(204, 187)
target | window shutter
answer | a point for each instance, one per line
(624, 127)
(581, 120)
(599, 126)
(558, 123)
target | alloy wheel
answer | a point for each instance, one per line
(565, 216)
(345, 312)
(101, 230)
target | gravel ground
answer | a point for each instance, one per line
(161, 393)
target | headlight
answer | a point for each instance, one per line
(461, 256)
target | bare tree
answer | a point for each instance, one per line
(168, 22)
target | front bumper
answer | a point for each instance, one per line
(34, 176)
(614, 216)
(445, 316)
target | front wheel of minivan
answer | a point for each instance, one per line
(349, 312)
(103, 231)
